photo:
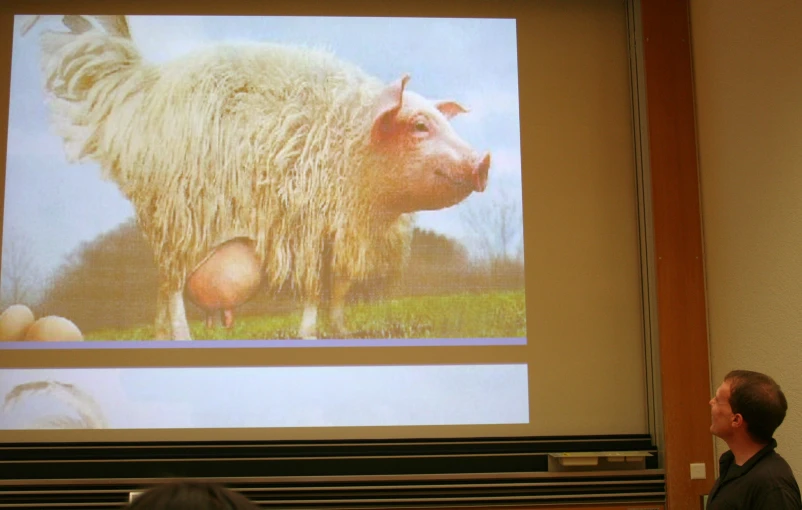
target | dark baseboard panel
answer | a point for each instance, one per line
(338, 475)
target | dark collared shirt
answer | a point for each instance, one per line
(765, 481)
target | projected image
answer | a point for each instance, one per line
(240, 397)
(273, 179)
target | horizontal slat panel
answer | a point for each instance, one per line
(299, 459)
(68, 451)
(530, 489)
(335, 476)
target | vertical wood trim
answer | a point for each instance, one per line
(678, 241)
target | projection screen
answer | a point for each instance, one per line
(321, 227)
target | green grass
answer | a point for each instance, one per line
(489, 315)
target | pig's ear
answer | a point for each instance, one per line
(388, 105)
(450, 108)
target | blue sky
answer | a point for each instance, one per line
(55, 206)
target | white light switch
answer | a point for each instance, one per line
(698, 471)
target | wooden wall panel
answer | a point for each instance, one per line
(678, 249)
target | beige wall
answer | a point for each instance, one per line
(748, 73)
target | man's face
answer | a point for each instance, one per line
(722, 417)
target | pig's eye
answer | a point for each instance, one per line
(420, 127)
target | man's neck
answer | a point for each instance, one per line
(744, 449)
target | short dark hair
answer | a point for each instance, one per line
(759, 399)
(190, 495)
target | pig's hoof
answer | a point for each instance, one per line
(307, 334)
(342, 332)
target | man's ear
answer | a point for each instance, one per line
(738, 420)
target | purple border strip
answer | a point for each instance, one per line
(262, 344)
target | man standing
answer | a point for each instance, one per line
(746, 410)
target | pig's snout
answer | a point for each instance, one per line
(480, 173)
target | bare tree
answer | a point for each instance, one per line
(18, 275)
(496, 227)
(496, 231)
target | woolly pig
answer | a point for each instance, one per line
(318, 163)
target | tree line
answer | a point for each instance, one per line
(111, 281)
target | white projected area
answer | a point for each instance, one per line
(257, 397)
(265, 178)
(249, 183)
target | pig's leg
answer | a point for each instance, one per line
(228, 318)
(162, 325)
(339, 291)
(210, 320)
(308, 330)
(178, 316)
